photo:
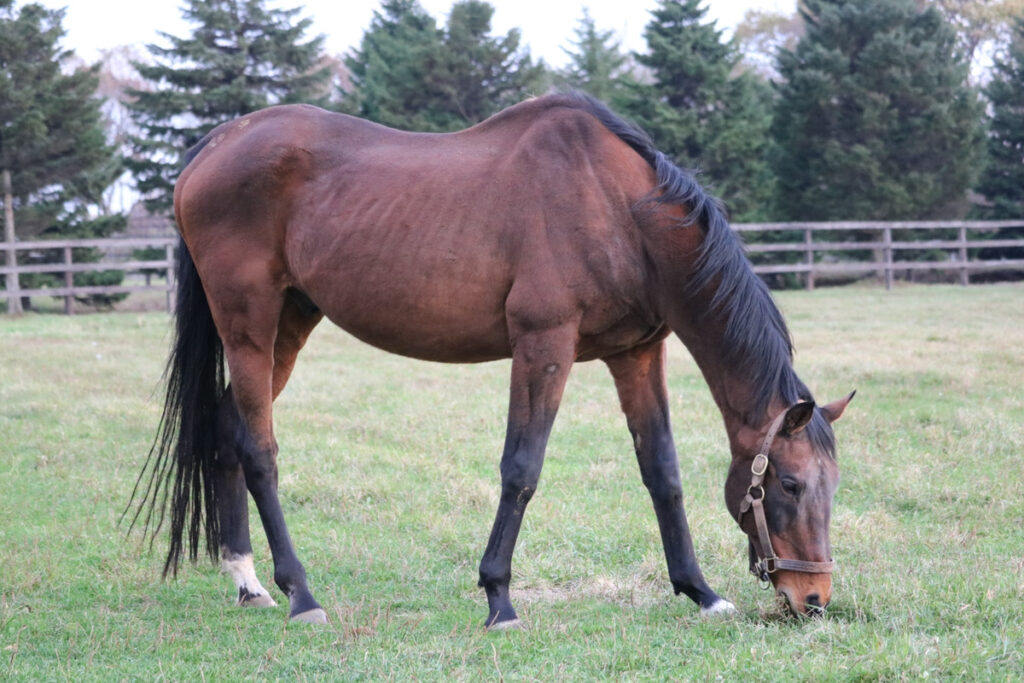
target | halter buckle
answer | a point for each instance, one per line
(760, 465)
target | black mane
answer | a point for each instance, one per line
(757, 340)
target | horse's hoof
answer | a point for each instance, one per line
(311, 616)
(718, 608)
(510, 625)
(259, 600)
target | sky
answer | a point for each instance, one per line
(547, 25)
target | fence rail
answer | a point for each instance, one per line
(67, 267)
(810, 258)
(951, 254)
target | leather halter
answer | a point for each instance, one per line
(768, 562)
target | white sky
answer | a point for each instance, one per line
(547, 25)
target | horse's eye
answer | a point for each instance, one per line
(791, 486)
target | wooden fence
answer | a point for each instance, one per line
(824, 250)
(114, 250)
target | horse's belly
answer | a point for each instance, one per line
(445, 320)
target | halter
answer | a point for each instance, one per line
(768, 562)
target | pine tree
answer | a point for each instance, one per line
(389, 71)
(410, 74)
(596, 63)
(698, 111)
(875, 119)
(1002, 182)
(480, 74)
(54, 159)
(240, 57)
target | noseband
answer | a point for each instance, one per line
(768, 562)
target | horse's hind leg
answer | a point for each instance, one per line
(233, 510)
(262, 336)
(640, 380)
(540, 365)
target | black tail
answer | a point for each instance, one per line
(179, 467)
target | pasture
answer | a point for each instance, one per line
(389, 479)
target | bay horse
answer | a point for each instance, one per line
(551, 233)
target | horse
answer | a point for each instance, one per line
(553, 232)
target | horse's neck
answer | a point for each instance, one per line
(729, 381)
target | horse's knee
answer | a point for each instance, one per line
(520, 474)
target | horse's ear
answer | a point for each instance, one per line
(797, 417)
(834, 410)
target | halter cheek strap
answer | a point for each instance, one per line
(768, 562)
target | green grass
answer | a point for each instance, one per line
(389, 478)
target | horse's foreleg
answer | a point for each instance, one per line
(540, 366)
(233, 511)
(640, 380)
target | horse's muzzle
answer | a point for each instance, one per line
(810, 606)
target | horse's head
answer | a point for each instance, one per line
(780, 488)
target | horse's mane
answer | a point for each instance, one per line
(757, 340)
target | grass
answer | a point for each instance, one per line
(389, 481)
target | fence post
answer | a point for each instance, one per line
(964, 278)
(809, 245)
(887, 250)
(69, 281)
(169, 253)
(13, 289)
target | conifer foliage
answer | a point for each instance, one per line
(596, 63)
(1002, 182)
(239, 57)
(408, 73)
(875, 119)
(698, 110)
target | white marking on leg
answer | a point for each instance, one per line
(719, 607)
(250, 590)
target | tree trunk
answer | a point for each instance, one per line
(13, 300)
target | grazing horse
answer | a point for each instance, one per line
(551, 233)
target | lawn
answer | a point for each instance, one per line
(389, 480)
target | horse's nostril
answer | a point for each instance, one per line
(814, 606)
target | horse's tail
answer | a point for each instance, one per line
(179, 469)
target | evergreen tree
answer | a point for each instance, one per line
(1002, 182)
(596, 64)
(698, 111)
(480, 74)
(54, 159)
(875, 119)
(389, 71)
(410, 74)
(240, 57)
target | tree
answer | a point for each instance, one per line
(1002, 182)
(240, 57)
(55, 163)
(480, 74)
(389, 70)
(980, 23)
(697, 111)
(761, 34)
(410, 74)
(874, 119)
(596, 63)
